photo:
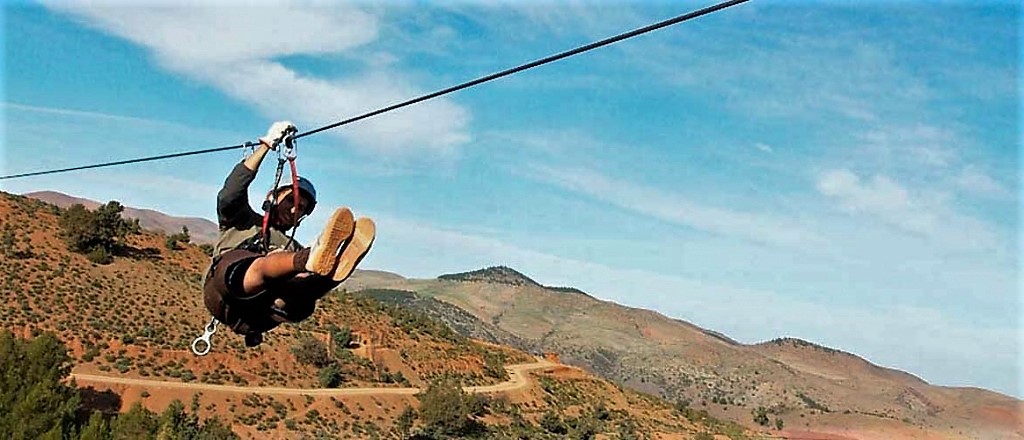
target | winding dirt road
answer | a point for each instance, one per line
(517, 380)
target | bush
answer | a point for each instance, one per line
(761, 416)
(174, 239)
(99, 255)
(446, 410)
(311, 351)
(552, 423)
(340, 337)
(330, 376)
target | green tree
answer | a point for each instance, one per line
(215, 429)
(96, 232)
(176, 424)
(34, 400)
(138, 423)
(403, 425)
(330, 375)
(312, 352)
(340, 337)
(96, 428)
(446, 411)
(779, 424)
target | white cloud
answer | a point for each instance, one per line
(238, 49)
(885, 199)
(764, 147)
(974, 181)
(880, 196)
(677, 209)
(921, 144)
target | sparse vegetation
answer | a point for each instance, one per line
(174, 241)
(99, 234)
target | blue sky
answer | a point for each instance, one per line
(843, 175)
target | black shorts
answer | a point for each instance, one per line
(245, 314)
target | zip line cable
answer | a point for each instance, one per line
(465, 85)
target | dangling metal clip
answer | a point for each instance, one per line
(211, 328)
(249, 149)
(289, 144)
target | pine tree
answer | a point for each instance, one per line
(35, 400)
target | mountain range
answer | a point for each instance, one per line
(784, 387)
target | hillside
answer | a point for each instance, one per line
(201, 229)
(808, 387)
(128, 324)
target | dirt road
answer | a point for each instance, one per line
(517, 380)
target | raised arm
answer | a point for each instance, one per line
(233, 199)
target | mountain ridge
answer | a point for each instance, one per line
(640, 348)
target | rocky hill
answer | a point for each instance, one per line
(359, 368)
(810, 388)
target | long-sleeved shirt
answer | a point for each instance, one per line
(238, 222)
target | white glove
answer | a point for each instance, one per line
(277, 132)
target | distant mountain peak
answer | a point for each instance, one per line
(800, 343)
(493, 274)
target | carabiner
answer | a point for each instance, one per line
(289, 146)
(210, 329)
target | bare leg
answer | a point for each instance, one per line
(273, 266)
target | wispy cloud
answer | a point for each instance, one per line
(674, 208)
(885, 199)
(238, 50)
(78, 113)
(976, 182)
(764, 147)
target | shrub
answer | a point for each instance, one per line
(330, 376)
(761, 416)
(174, 239)
(99, 255)
(446, 410)
(552, 423)
(311, 352)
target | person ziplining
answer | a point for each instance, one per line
(259, 277)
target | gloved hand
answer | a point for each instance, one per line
(277, 132)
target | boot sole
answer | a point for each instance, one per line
(356, 249)
(339, 228)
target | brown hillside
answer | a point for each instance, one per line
(128, 325)
(809, 387)
(200, 229)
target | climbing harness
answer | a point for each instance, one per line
(208, 332)
(288, 154)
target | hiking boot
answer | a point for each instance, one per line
(253, 339)
(324, 251)
(356, 249)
